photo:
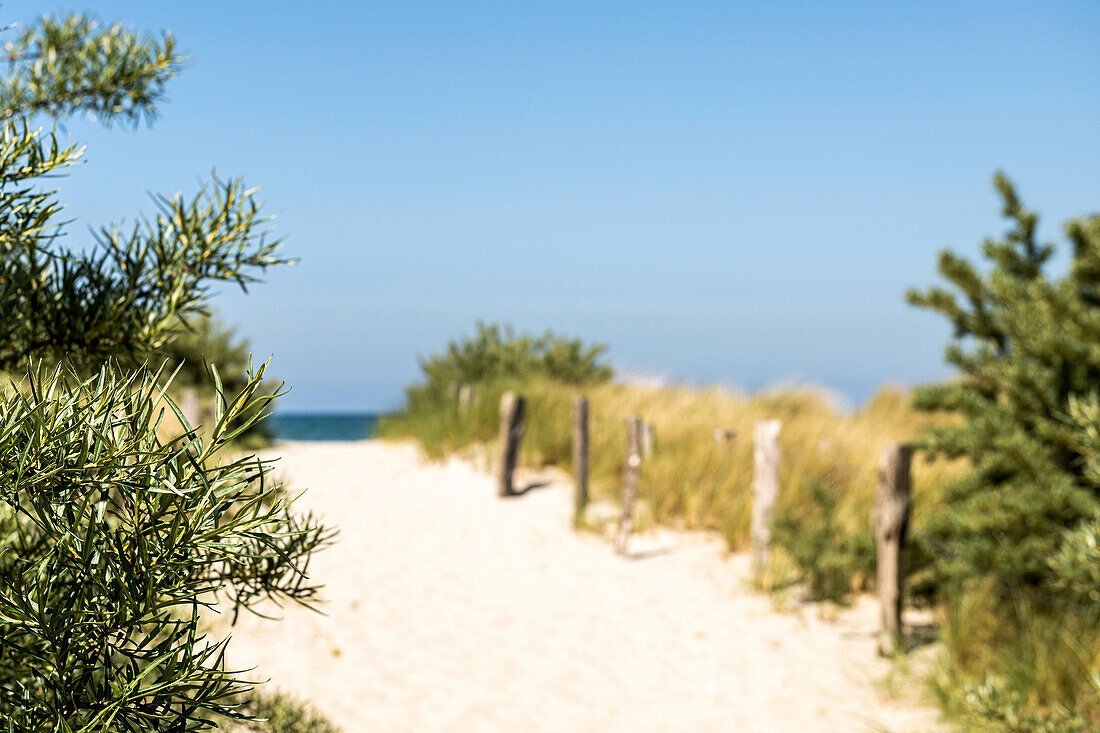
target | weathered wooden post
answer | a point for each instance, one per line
(724, 436)
(580, 458)
(465, 398)
(190, 407)
(649, 439)
(765, 490)
(512, 407)
(890, 520)
(631, 471)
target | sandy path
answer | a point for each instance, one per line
(451, 610)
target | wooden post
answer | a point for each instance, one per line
(465, 397)
(631, 470)
(580, 458)
(190, 407)
(512, 407)
(649, 439)
(890, 520)
(724, 435)
(765, 490)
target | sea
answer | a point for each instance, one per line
(323, 426)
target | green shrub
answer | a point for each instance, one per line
(120, 522)
(116, 539)
(493, 360)
(833, 560)
(1025, 349)
(200, 343)
(1014, 538)
(991, 708)
(1034, 654)
(1075, 568)
(496, 353)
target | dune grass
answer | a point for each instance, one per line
(1018, 662)
(695, 479)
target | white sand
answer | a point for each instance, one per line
(452, 610)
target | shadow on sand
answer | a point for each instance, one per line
(532, 486)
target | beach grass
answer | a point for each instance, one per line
(700, 472)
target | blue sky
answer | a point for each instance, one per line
(723, 192)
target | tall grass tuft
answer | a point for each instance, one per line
(1019, 660)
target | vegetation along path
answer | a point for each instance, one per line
(451, 609)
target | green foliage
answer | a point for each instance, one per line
(202, 343)
(117, 539)
(1035, 660)
(1075, 568)
(993, 709)
(832, 559)
(1026, 344)
(492, 360)
(495, 353)
(118, 524)
(124, 293)
(1024, 517)
(61, 66)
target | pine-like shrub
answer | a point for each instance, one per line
(1027, 343)
(1013, 540)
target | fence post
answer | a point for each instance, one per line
(465, 398)
(724, 435)
(765, 489)
(190, 407)
(649, 439)
(580, 458)
(890, 520)
(631, 470)
(512, 407)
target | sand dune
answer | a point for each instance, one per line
(452, 610)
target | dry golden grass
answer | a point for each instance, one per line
(693, 479)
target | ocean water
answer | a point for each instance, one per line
(319, 426)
